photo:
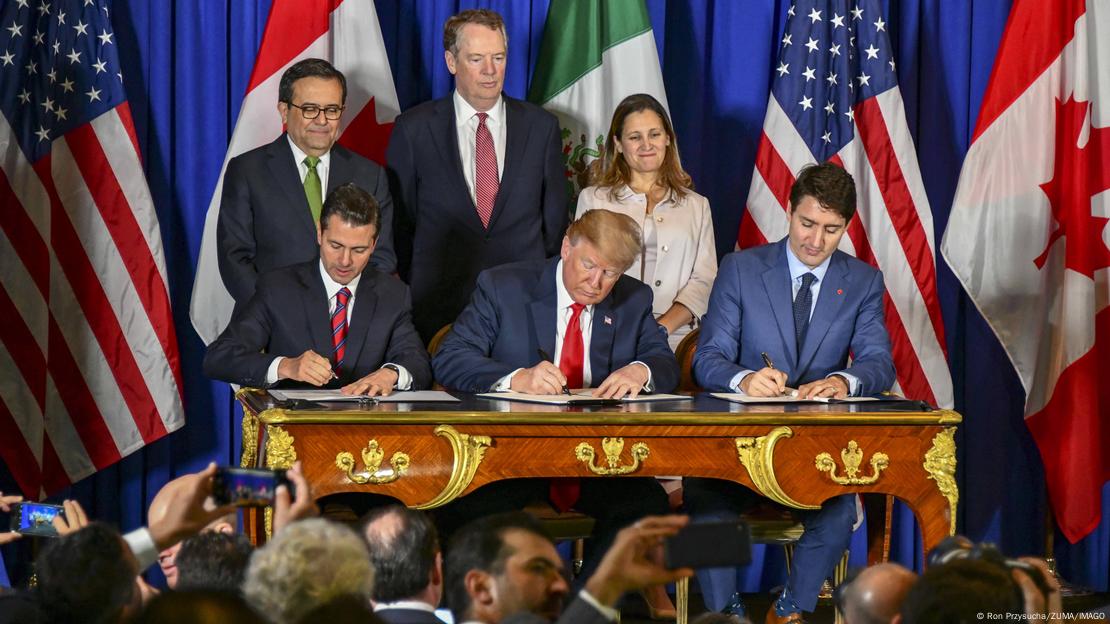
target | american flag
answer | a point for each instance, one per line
(835, 97)
(89, 368)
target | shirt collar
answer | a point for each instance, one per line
(414, 605)
(464, 111)
(331, 286)
(299, 155)
(625, 191)
(563, 299)
(798, 268)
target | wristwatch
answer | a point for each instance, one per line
(396, 369)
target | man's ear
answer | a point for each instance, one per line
(435, 577)
(480, 586)
(451, 61)
(564, 252)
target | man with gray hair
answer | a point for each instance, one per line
(408, 564)
(574, 321)
(306, 565)
(875, 594)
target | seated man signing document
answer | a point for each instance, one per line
(332, 321)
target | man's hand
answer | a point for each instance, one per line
(543, 378)
(765, 382)
(309, 367)
(628, 565)
(287, 511)
(185, 512)
(833, 386)
(378, 383)
(625, 381)
(1036, 603)
(73, 520)
(5, 505)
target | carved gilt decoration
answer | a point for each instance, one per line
(940, 463)
(372, 457)
(279, 448)
(613, 448)
(468, 451)
(757, 454)
(852, 456)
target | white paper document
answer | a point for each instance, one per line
(583, 396)
(331, 396)
(743, 398)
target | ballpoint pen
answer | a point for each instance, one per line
(771, 365)
(547, 358)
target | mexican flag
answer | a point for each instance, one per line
(594, 54)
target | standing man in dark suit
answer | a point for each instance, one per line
(478, 176)
(272, 195)
(788, 315)
(331, 321)
(597, 325)
(408, 565)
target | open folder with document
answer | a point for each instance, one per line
(331, 396)
(582, 396)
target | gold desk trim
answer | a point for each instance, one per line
(468, 451)
(940, 463)
(613, 448)
(852, 456)
(372, 457)
(757, 454)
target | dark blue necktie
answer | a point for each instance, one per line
(803, 301)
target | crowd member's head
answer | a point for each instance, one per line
(597, 249)
(475, 47)
(959, 591)
(307, 564)
(311, 96)
(641, 142)
(504, 564)
(159, 509)
(349, 223)
(404, 551)
(822, 201)
(87, 576)
(213, 560)
(198, 607)
(875, 594)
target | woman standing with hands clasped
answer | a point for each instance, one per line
(640, 175)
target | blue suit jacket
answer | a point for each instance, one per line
(512, 315)
(441, 243)
(751, 311)
(265, 222)
(288, 314)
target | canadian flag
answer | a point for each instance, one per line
(347, 34)
(1028, 237)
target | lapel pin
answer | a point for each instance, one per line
(608, 321)
(839, 291)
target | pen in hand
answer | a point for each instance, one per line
(547, 358)
(771, 365)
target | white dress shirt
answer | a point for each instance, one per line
(322, 167)
(797, 270)
(466, 127)
(411, 605)
(332, 288)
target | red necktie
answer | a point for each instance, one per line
(564, 492)
(485, 171)
(339, 327)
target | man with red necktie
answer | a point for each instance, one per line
(598, 325)
(330, 321)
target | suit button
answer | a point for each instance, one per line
(659, 219)
(664, 249)
(658, 282)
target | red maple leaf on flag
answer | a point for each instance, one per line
(365, 136)
(1080, 174)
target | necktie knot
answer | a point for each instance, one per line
(576, 309)
(482, 118)
(311, 162)
(343, 296)
(807, 280)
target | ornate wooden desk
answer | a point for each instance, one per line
(426, 455)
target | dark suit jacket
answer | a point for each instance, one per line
(265, 222)
(288, 315)
(577, 612)
(441, 242)
(407, 616)
(512, 315)
(751, 311)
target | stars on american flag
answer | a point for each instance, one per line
(846, 58)
(58, 68)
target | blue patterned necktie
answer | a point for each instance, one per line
(803, 302)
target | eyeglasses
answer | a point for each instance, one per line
(312, 111)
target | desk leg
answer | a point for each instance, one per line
(878, 509)
(682, 600)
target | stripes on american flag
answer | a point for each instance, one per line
(89, 366)
(835, 97)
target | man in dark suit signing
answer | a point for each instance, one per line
(272, 195)
(331, 321)
(478, 176)
(597, 326)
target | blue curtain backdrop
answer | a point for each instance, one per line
(186, 67)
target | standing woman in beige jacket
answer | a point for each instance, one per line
(640, 175)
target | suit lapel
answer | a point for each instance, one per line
(315, 302)
(776, 281)
(516, 137)
(544, 309)
(366, 300)
(601, 341)
(339, 169)
(825, 309)
(288, 178)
